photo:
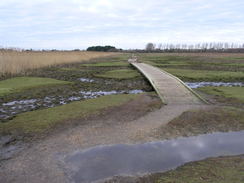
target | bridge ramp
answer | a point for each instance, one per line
(169, 88)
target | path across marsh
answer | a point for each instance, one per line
(169, 88)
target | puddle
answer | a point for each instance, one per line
(204, 84)
(113, 92)
(10, 109)
(87, 80)
(104, 162)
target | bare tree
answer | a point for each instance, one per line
(204, 46)
(160, 46)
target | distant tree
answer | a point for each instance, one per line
(101, 48)
(150, 47)
(76, 49)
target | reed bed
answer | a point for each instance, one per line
(16, 62)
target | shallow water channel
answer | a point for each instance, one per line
(12, 108)
(103, 162)
(215, 84)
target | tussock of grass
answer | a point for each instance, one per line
(18, 84)
(233, 58)
(206, 75)
(212, 170)
(69, 69)
(226, 92)
(41, 120)
(196, 122)
(119, 74)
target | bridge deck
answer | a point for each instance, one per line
(169, 88)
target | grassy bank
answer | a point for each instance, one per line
(119, 74)
(234, 95)
(202, 121)
(212, 170)
(206, 75)
(35, 122)
(19, 84)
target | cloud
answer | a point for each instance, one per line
(123, 23)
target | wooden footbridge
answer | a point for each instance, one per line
(170, 89)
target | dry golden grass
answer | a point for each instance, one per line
(14, 62)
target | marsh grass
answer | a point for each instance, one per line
(225, 92)
(108, 64)
(206, 75)
(18, 84)
(15, 62)
(211, 170)
(38, 121)
(196, 61)
(202, 121)
(119, 74)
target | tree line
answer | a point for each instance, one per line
(103, 48)
(198, 46)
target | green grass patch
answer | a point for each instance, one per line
(69, 69)
(206, 75)
(212, 170)
(199, 62)
(18, 84)
(107, 64)
(41, 120)
(234, 64)
(157, 58)
(173, 65)
(226, 92)
(202, 121)
(232, 58)
(120, 74)
(168, 63)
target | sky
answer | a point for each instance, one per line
(127, 24)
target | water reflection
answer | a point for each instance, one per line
(12, 108)
(106, 161)
(215, 84)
